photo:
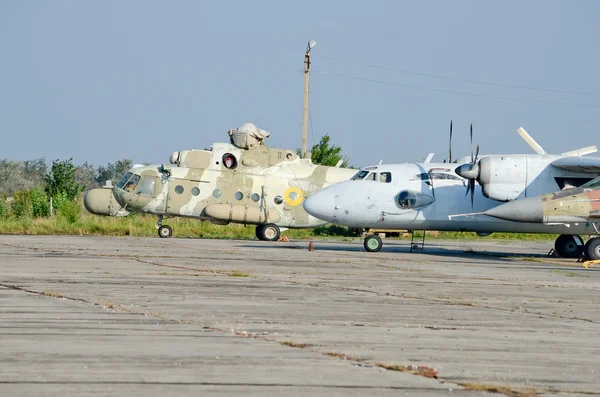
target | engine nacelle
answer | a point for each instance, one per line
(503, 178)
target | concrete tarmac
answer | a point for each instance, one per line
(92, 316)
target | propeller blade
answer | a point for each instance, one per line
(450, 144)
(472, 185)
(468, 188)
(431, 181)
(476, 153)
(471, 132)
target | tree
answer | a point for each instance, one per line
(85, 175)
(325, 153)
(61, 179)
(12, 177)
(113, 172)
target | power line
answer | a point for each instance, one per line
(458, 79)
(451, 91)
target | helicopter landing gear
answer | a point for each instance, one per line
(268, 232)
(164, 231)
(569, 246)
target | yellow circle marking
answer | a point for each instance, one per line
(291, 198)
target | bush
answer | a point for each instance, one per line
(4, 207)
(39, 203)
(69, 211)
(59, 200)
(21, 204)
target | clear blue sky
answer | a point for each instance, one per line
(100, 81)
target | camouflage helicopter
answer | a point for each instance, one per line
(242, 181)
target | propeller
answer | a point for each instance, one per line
(450, 144)
(431, 181)
(470, 171)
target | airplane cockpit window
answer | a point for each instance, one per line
(146, 186)
(385, 177)
(125, 178)
(131, 183)
(408, 199)
(360, 175)
(436, 175)
(372, 177)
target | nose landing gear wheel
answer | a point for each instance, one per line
(268, 232)
(165, 231)
(373, 243)
(592, 249)
(569, 246)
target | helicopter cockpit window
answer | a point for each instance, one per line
(360, 175)
(593, 184)
(131, 183)
(229, 161)
(146, 186)
(372, 177)
(125, 178)
(385, 177)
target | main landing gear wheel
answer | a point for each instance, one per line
(268, 232)
(569, 246)
(165, 231)
(592, 249)
(373, 243)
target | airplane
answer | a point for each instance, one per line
(242, 181)
(427, 196)
(566, 207)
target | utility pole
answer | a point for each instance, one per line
(311, 44)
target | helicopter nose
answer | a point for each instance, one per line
(100, 201)
(321, 204)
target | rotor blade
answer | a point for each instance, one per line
(471, 146)
(450, 144)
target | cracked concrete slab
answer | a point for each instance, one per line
(102, 315)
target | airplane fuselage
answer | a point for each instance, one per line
(420, 197)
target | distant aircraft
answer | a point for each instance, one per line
(571, 207)
(241, 182)
(428, 196)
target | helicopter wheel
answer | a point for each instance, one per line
(569, 246)
(592, 249)
(165, 231)
(268, 232)
(373, 243)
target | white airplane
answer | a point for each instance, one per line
(428, 196)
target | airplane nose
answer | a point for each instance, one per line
(522, 210)
(321, 204)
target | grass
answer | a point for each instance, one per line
(144, 225)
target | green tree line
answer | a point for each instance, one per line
(33, 189)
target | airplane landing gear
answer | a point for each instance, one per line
(268, 232)
(163, 231)
(569, 246)
(592, 249)
(373, 243)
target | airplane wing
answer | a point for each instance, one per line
(578, 164)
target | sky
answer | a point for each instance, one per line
(102, 81)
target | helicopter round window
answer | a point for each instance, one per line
(255, 197)
(239, 195)
(178, 189)
(217, 193)
(195, 191)
(278, 199)
(229, 161)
